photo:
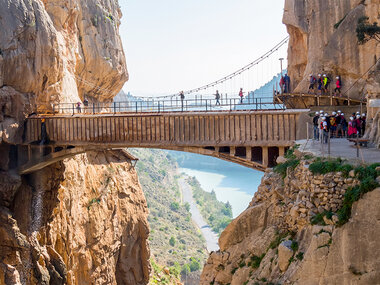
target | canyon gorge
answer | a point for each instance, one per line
(84, 220)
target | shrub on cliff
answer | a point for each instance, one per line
(366, 31)
(321, 166)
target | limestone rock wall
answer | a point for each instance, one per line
(61, 51)
(316, 46)
(273, 240)
(82, 221)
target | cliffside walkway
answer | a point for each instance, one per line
(253, 138)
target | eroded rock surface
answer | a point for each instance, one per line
(83, 221)
(274, 241)
(323, 40)
(61, 51)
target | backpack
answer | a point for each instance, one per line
(332, 121)
(354, 124)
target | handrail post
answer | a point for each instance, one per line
(230, 105)
(114, 107)
(73, 108)
(158, 106)
(206, 105)
(136, 106)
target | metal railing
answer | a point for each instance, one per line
(199, 104)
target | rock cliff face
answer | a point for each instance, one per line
(83, 220)
(61, 51)
(323, 40)
(273, 240)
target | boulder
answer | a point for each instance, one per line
(285, 252)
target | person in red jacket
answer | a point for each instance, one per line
(338, 85)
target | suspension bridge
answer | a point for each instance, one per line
(252, 130)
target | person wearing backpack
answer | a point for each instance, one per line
(315, 124)
(312, 82)
(326, 83)
(333, 124)
(324, 129)
(352, 130)
(320, 83)
(338, 86)
(358, 122)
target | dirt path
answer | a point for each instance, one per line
(209, 235)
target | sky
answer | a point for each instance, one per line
(174, 45)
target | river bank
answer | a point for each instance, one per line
(187, 196)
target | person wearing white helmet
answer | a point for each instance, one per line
(320, 83)
(316, 126)
(352, 130)
(338, 86)
(358, 124)
(363, 119)
(344, 124)
(326, 83)
(339, 127)
(325, 130)
(312, 82)
(319, 124)
(333, 125)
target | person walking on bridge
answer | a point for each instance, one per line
(287, 83)
(338, 85)
(182, 96)
(312, 82)
(217, 97)
(320, 83)
(241, 95)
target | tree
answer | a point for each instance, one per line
(194, 265)
(174, 206)
(172, 241)
(366, 31)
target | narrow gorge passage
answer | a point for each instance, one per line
(210, 237)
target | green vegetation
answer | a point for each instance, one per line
(367, 176)
(366, 31)
(292, 162)
(217, 214)
(300, 255)
(256, 261)
(92, 201)
(174, 240)
(336, 26)
(161, 276)
(323, 166)
(318, 218)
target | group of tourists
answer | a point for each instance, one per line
(322, 84)
(285, 83)
(337, 126)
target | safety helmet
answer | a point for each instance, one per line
(311, 75)
(342, 114)
(319, 75)
(333, 113)
(357, 116)
(324, 118)
(326, 114)
(351, 118)
(324, 75)
(363, 115)
(321, 111)
(357, 112)
(339, 111)
(337, 77)
(317, 113)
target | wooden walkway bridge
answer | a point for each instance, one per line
(250, 138)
